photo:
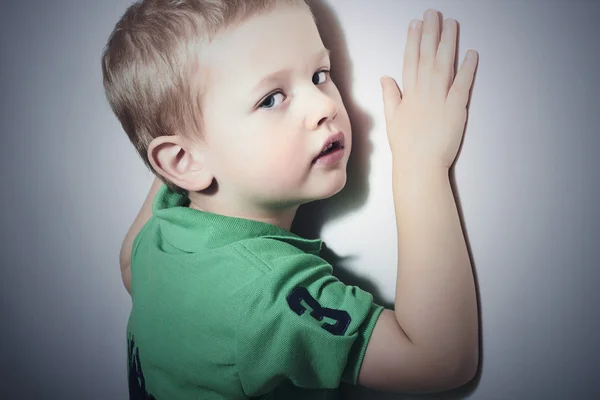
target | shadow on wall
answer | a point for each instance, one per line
(311, 217)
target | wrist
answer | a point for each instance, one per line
(416, 172)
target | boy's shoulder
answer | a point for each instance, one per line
(177, 234)
(250, 257)
(272, 252)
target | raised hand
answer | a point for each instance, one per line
(425, 124)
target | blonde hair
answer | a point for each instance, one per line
(150, 64)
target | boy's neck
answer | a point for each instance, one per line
(282, 217)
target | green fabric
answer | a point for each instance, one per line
(210, 314)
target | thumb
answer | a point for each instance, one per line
(392, 97)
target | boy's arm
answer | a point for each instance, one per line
(430, 341)
(143, 216)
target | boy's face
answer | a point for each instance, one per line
(263, 138)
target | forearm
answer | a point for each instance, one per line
(142, 217)
(435, 292)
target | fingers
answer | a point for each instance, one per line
(411, 56)
(458, 96)
(429, 45)
(391, 97)
(444, 60)
(429, 61)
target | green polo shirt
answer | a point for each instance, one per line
(229, 308)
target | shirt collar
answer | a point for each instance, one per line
(192, 230)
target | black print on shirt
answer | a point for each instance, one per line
(341, 317)
(137, 383)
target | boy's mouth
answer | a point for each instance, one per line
(333, 145)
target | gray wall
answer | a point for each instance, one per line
(527, 177)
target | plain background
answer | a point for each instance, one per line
(526, 178)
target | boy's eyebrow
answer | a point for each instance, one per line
(275, 75)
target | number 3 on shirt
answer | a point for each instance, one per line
(341, 317)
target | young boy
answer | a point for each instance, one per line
(231, 105)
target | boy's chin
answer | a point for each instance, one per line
(330, 190)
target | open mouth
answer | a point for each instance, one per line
(332, 151)
(331, 148)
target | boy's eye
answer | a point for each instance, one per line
(268, 102)
(324, 71)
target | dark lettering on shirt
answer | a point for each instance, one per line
(341, 317)
(137, 382)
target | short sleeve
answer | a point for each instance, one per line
(299, 322)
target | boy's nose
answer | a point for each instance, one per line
(323, 108)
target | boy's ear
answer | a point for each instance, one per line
(181, 162)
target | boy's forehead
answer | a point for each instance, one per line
(262, 45)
